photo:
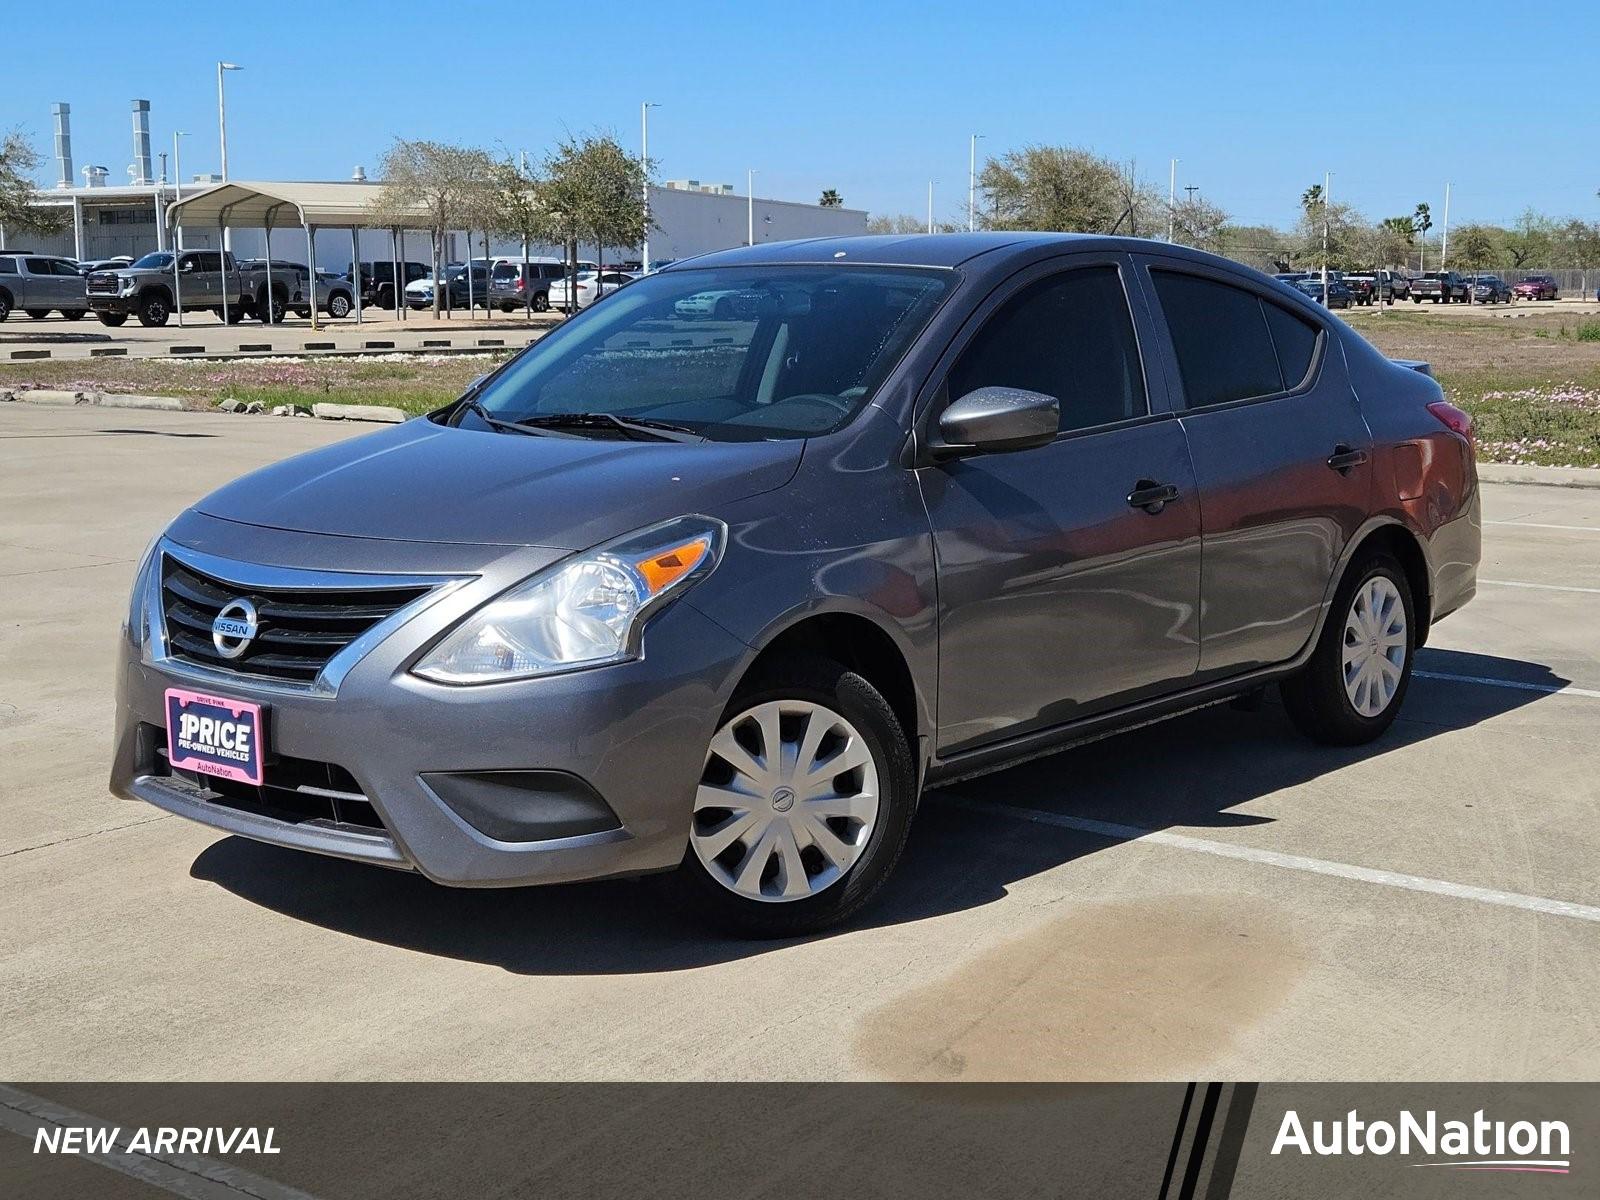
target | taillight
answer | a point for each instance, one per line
(1452, 418)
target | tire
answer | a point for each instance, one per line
(827, 890)
(113, 319)
(5, 304)
(236, 314)
(541, 302)
(339, 306)
(272, 315)
(153, 310)
(1416, 299)
(74, 314)
(38, 314)
(1319, 701)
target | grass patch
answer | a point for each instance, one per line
(1532, 421)
(1589, 331)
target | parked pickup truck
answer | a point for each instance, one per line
(1439, 286)
(206, 281)
(1370, 285)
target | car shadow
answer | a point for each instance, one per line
(1193, 772)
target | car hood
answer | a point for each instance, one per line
(424, 482)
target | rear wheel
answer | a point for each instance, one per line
(1356, 679)
(541, 302)
(74, 314)
(38, 314)
(804, 802)
(113, 319)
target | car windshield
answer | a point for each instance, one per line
(799, 355)
(153, 262)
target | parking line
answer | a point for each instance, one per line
(189, 1175)
(1541, 525)
(1542, 587)
(1292, 862)
(1549, 689)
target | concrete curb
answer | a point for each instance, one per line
(93, 399)
(1568, 477)
(358, 412)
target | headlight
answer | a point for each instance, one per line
(585, 611)
(135, 624)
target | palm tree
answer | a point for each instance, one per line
(831, 199)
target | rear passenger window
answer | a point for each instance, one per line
(1068, 336)
(1220, 336)
(1296, 341)
(38, 266)
(8, 266)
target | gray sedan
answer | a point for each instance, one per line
(719, 598)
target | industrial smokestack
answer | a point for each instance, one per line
(62, 113)
(141, 142)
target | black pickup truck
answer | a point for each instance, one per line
(1439, 286)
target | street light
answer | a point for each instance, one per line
(644, 159)
(1172, 200)
(972, 184)
(930, 205)
(1327, 198)
(177, 183)
(222, 113)
(750, 201)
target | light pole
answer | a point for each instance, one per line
(177, 183)
(1444, 237)
(972, 183)
(222, 113)
(1172, 200)
(1327, 197)
(644, 160)
(930, 206)
(750, 202)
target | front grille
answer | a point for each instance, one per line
(298, 791)
(106, 284)
(298, 629)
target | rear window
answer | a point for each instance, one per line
(1230, 343)
(505, 272)
(1220, 336)
(8, 266)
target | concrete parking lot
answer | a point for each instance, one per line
(1209, 897)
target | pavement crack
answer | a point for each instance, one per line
(78, 837)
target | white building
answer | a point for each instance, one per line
(111, 219)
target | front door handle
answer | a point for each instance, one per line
(1343, 458)
(1152, 496)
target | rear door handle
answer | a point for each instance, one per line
(1152, 496)
(1343, 458)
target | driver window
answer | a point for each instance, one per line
(1069, 336)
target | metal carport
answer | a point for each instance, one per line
(311, 206)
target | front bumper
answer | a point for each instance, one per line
(631, 737)
(113, 304)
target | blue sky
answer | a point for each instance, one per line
(873, 99)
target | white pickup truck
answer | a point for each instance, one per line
(201, 280)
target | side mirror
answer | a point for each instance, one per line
(186, 267)
(994, 420)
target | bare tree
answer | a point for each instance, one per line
(428, 184)
(20, 211)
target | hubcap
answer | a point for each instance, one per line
(1374, 646)
(787, 802)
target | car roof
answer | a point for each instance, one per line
(916, 249)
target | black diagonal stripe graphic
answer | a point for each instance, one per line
(1240, 1105)
(1177, 1141)
(1202, 1135)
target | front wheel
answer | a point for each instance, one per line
(1353, 685)
(339, 306)
(803, 805)
(541, 302)
(153, 311)
(74, 314)
(38, 314)
(113, 319)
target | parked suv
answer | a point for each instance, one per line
(377, 281)
(659, 596)
(515, 285)
(1439, 286)
(38, 283)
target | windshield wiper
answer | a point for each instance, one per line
(634, 427)
(498, 424)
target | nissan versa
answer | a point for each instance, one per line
(720, 595)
